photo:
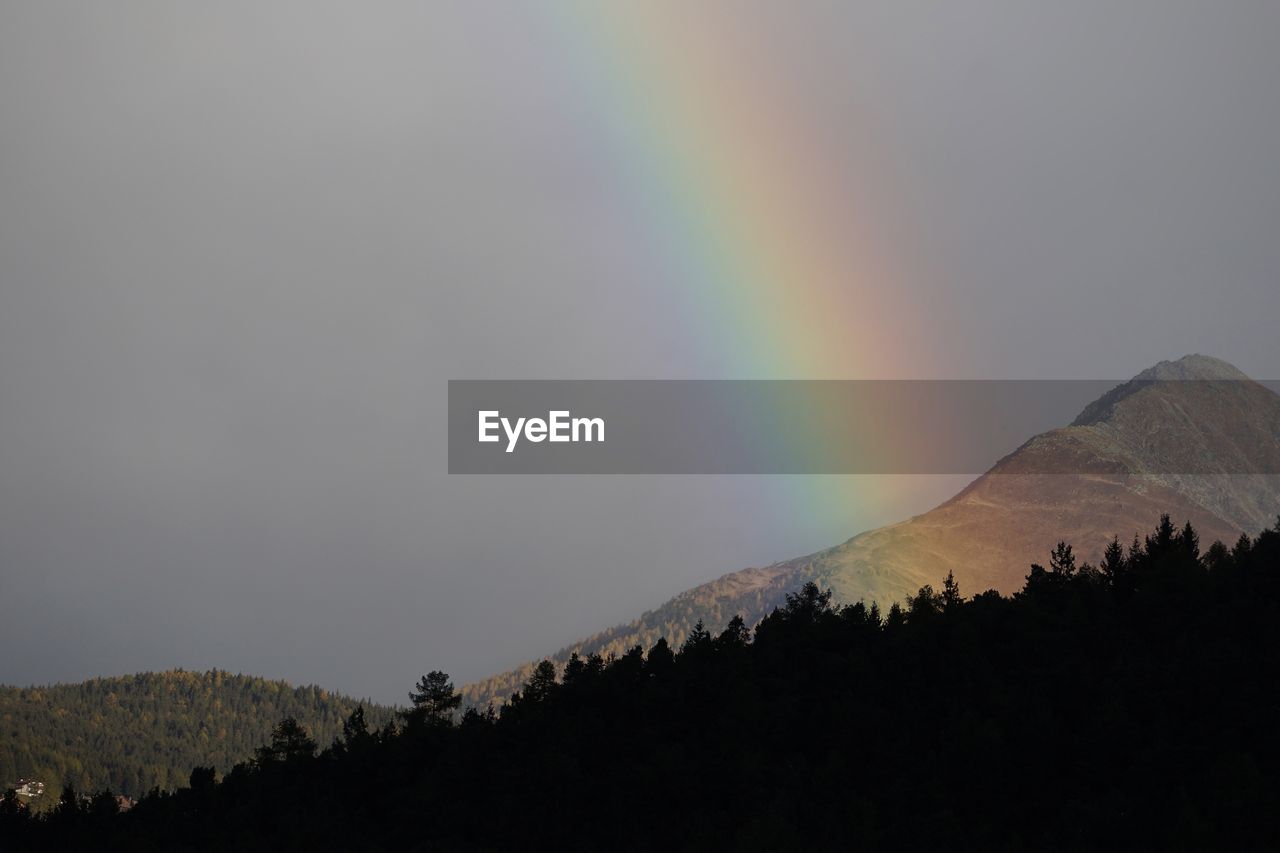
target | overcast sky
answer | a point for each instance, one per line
(244, 245)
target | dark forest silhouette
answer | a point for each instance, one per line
(1131, 704)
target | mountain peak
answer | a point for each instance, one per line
(1194, 367)
(1148, 446)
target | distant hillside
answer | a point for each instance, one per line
(135, 732)
(1107, 474)
(1129, 705)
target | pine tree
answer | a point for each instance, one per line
(699, 638)
(808, 603)
(289, 742)
(660, 659)
(1190, 541)
(735, 635)
(1113, 562)
(924, 603)
(434, 700)
(1062, 562)
(574, 668)
(1164, 539)
(951, 597)
(542, 683)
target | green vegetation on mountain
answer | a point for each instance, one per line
(137, 732)
(1125, 705)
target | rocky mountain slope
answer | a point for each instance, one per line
(1194, 438)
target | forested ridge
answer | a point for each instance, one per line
(1129, 705)
(133, 733)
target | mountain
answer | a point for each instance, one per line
(1107, 474)
(1128, 708)
(135, 732)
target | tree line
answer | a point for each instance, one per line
(1129, 704)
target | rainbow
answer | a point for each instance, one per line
(747, 202)
(764, 228)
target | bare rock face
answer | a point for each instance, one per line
(1194, 438)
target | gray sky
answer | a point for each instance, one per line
(244, 245)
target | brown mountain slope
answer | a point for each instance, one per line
(1200, 450)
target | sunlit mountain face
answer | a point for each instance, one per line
(1194, 438)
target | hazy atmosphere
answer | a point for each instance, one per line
(244, 246)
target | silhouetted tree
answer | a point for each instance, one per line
(1113, 562)
(1217, 558)
(736, 634)
(1062, 562)
(1190, 541)
(1097, 718)
(202, 780)
(808, 603)
(1164, 540)
(473, 718)
(68, 809)
(699, 639)
(574, 668)
(1243, 546)
(103, 805)
(356, 736)
(1037, 579)
(951, 597)
(660, 660)
(541, 684)
(924, 604)
(289, 742)
(434, 700)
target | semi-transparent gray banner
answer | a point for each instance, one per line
(861, 426)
